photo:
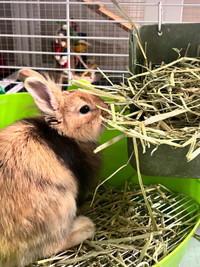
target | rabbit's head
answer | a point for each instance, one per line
(73, 113)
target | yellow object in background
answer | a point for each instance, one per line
(80, 48)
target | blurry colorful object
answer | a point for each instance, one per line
(2, 90)
(80, 65)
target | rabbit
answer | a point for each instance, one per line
(47, 165)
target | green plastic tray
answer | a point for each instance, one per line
(16, 106)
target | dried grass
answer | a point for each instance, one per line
(124, 231)
(160, 105)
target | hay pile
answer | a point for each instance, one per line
(124, 232)
(161, 105)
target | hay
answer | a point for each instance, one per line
(160, 105)
(124, 232)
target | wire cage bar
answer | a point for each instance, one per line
(73, 38)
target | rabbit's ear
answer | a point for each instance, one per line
(47, 96)
(23, 74)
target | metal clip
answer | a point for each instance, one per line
(160, 13)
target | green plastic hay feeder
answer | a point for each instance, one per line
(160, 49)
(185, 38)
(16, 106)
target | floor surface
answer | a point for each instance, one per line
(192, 256)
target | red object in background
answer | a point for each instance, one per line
(57, 47)
(2, 63)
(74, 25)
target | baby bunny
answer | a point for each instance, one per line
(47, 165)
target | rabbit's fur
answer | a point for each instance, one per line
(47, 165)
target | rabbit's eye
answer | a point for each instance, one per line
(84, 109)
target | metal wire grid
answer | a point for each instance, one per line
(28, 32)
(181, 212)
(28, 29)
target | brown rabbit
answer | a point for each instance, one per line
(46, 166)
